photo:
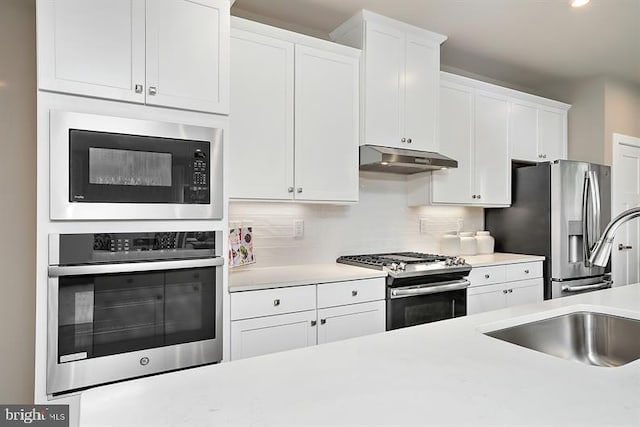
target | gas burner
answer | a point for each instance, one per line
(408, 264)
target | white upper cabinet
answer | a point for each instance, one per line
(537, 128)
(187, 51)
(399, 80)
(326, 125)
(484, 127)
(492, 174)
(261, 117)
(170, 53)
(294, 116)
(474, 130)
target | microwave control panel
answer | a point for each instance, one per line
(199, 189)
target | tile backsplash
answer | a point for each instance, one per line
(380, 222)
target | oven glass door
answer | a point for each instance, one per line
(117, 168)
(419, 309)
(101, 315)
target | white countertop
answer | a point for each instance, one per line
(499, 258)
(443, 373)
(251, 278)
(295, 275)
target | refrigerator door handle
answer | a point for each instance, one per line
(590, 214)
(595, 203)
(586, 247)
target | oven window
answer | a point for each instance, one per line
(117, 313)
(126, 167)
(416, 310)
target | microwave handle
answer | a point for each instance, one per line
(129, 267)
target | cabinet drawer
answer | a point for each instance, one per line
(245, 305)
(524, 271)
(487, 275)
(351, 292)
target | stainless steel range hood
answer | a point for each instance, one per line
(401, 161)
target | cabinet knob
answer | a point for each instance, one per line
(504, 291)
(139, 88)
(473, 196)
(354, 293)
(299, 190)
(290, 189)
(544, 156)
(510, 291)
(276, 302)
(153, 90)
(409, 140)
(478, 196)
(486, 276)
(526, 272)
(314, 323)
(403, 140)
(323, 321)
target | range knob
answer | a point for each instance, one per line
(393, 266)
(402, 266)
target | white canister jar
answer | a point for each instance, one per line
(485, 243)
(450, 244)
(467, 243)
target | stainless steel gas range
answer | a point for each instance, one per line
(421, 288)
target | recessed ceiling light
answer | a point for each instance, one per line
(578, 3)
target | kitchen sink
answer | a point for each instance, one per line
(591, 338)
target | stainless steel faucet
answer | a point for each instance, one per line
(602, 248)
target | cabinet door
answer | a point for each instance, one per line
(188, 54)
(348, 321)
(524, 292)
(326, 125)
(261, 119)
(94, 48)
(384, 71)
(552, 134)
(262, 335)
(421, 82)
(456, 133)
(486, 298)
(492, 160)
(523, 132)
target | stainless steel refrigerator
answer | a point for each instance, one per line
(559, 210)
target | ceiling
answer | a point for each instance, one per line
(528, 43)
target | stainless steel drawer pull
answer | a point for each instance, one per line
(354, 293)
(139, 88)
(290, 189)
(153, 90)
(323, 321)
(526, 272)
(504, 291)
(510, 291)
(622, 247)
(314, 323)
(276, 302)
(486, 276)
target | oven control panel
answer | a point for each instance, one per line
(122, 247)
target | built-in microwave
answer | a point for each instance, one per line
(104, 167)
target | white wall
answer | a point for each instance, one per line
(380, 222)
(621, 113)
(18, 213)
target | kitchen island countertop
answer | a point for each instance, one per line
(443, 373)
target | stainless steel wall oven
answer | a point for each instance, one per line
(122, 305)
(117, 168)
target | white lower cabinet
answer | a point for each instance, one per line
(502, 286)
(272, 320)
(262, 335)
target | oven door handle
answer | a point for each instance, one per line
(431, 289)
(129, 267)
